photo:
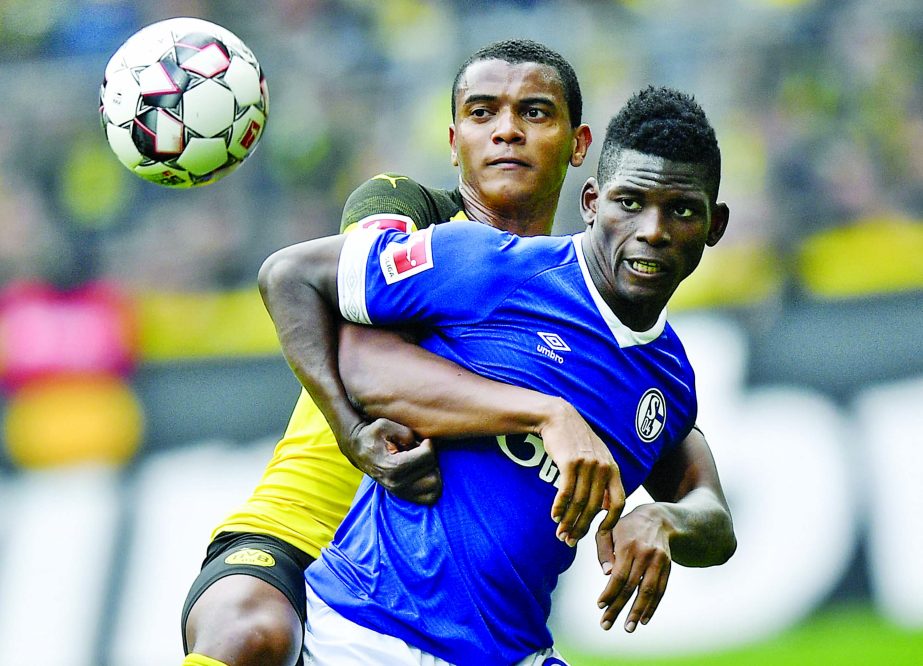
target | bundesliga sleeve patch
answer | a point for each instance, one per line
(408, 257)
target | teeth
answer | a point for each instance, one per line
(645, 266)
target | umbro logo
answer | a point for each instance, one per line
(555, 344)
(554, 341)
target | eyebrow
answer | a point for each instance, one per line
(680, 196)
(476, 98)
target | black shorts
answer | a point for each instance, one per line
(286, 574)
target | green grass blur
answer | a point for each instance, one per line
(845, 636)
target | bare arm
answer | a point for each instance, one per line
(395, 379)
(688, 523)
(298, 286)
(692, 504)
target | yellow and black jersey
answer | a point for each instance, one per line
(390, 197)
(308, 485)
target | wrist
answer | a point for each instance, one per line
(554, 412)
(660, 517)
(345, 424)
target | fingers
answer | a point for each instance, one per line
(605, 550)
(562, 507)
(576, 502)
(614, 500)
(622, 583)
(650, 582)
(398, 437)
(587, 500)
(647, 601)
(414, 475)
(584, 490)
(404, 466)
(425, 491)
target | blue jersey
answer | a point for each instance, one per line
(470, 579)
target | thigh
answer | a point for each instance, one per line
(244, 570)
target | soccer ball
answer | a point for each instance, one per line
(183, 102)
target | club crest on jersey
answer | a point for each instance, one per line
(407, 257)
(384, 221)
(651, 415)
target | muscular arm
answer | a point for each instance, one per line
(690, 502)
(688, 523)
(394, 379)
(298, 286)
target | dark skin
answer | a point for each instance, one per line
(647, 229)
(513, 141)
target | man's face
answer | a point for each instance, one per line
(648, 227)
(512, 139)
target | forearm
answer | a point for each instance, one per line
(392, 378)
(690, 503)
(307, 329)
(698, 527)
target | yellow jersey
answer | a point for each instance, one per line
(308, 485)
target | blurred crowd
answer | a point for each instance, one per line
(818, 106)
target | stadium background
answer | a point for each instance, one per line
(142, 388)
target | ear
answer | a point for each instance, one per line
(582, 140)
(452, 144)
(589, 196)
(719, 223)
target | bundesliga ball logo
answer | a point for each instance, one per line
(183, 102)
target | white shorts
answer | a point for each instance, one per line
(332, 640)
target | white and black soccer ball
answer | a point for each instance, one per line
(183, 102)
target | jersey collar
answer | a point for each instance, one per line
(623, 335)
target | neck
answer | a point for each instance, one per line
(532, 219)
(639, 316)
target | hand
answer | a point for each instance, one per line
(635, 556)
(590, 477)
(391, 454)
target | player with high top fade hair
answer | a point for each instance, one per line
(468, 579)
(515, 130)
(660, 121)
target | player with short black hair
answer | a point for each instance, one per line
(247, 604)
(468, 580)
(664, 122)
(518, 51)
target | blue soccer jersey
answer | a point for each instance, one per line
(470, 579)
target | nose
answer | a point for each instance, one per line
(507, 128)
(653, 227)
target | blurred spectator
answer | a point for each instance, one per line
(818, 104)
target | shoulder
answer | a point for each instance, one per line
(478, 248)
(393, 194)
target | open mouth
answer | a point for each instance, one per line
(646, 266)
